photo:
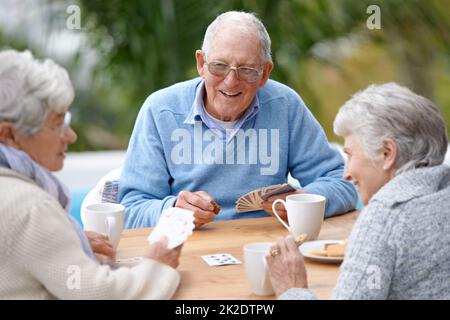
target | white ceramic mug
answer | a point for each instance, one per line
(305, 213)
(255, 267)
(107, 218)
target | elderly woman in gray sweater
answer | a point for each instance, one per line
(400, 246)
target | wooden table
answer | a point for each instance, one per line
(200, 281)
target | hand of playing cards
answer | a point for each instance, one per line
(252, 201)
(176, 224)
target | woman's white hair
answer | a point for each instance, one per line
(29, 89)
(391, 111)
(243, 22)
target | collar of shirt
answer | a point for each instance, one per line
(198, 113)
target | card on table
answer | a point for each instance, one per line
(220, 259)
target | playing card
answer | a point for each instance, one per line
(252, 201)
(282, 189)
(176, 224)
(220, 259)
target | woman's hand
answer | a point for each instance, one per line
(158, 251)
(101, 246)
(287, 268)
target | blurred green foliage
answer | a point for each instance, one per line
(321, 48)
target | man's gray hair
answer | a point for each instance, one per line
(30, 88)
(391, 111)
(243, 22)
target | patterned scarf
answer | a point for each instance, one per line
(21, 162)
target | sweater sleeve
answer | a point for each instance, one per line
(144, 193)
(48, 249)
(369, 263)
(315, 164)
(297, 294)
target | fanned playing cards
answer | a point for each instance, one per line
(176, 224)
(252, 201)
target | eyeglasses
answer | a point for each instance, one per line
(62, 129)
(221, 69)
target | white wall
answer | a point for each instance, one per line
(83, 170)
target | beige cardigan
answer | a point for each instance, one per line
(41, 256)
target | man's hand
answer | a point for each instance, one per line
(102, 247)
(281, 210)
(287, 268)
(198, 202)
(158, 251)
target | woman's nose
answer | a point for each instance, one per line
(347, 175)
(70, 136)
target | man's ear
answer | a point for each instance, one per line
(266, 73)
(389, 154)
(200, 62)
(7, 134)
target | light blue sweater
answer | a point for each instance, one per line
(168, 154)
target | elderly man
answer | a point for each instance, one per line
(225, 134)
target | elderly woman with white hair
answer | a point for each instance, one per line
(42, 248)
(399, 248)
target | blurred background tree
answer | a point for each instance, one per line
(321, 48)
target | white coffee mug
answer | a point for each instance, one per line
(255, 267)
(305, 213)
(107, 218)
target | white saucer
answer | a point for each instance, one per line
(319, 244)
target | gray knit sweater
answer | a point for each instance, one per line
(400, 246)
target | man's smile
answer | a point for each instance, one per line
(230, 94)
